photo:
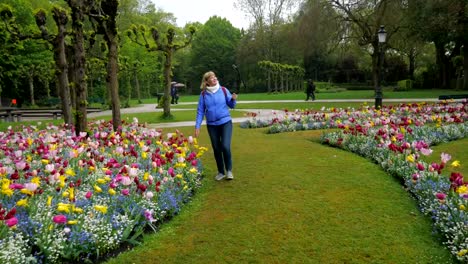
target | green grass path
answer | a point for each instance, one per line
(293, 200)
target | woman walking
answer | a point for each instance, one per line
(214, 104)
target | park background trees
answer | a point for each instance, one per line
(331, 40)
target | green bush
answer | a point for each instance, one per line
(404, 85)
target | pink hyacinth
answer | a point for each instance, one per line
(60, 219)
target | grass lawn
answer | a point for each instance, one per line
(294, 200)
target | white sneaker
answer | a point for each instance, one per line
(220, 176)
(230, 176)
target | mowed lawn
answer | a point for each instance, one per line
(294, 200)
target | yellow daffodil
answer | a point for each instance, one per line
(49, 200)
(65, 194)
(72, 222)
(144, 155)
(393, 139)
(455, 164)
(78, 210)
(146, 176)
(179, 176)
(112, 192)
(193, 170)
(28, 158)
(462, 207)
(45, 162)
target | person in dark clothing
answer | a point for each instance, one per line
(310, 91)
(174, 94)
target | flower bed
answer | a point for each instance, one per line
(74, 198)
(365, 116)
(398, 150)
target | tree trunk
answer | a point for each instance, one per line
(137, 87)
(465, 66)
(444, 82)
(112, 79)
(412, 63)
(167, 82)
(81, 122)
(31, 86)
(62, 66)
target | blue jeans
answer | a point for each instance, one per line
(220, 137)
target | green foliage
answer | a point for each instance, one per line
(214, 48)
(404, 85)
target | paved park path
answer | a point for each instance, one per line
(262, 113)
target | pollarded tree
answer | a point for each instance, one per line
(104, 14)
(58, 43)
(168, 45)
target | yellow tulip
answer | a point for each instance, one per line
(22, 202)
(101, 208)
(112, 192)
(97, 188)
(72, 222)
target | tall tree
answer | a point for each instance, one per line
(214, 48)
(364, 18)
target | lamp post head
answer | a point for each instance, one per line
(382, 34)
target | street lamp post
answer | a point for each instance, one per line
(382, 35)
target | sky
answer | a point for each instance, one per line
(201, 10)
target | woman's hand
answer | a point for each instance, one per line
(234, 96)
(197, 132)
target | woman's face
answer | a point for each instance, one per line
(212, 81)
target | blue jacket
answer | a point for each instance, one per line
(214, 107)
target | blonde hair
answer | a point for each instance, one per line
(205, 78)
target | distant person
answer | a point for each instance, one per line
(174, 94)
(310, 91)
(214, 104)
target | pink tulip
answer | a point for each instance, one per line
(88, 195)
(11, 222)
(60, 219)
(125, 192)
(441, 196)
